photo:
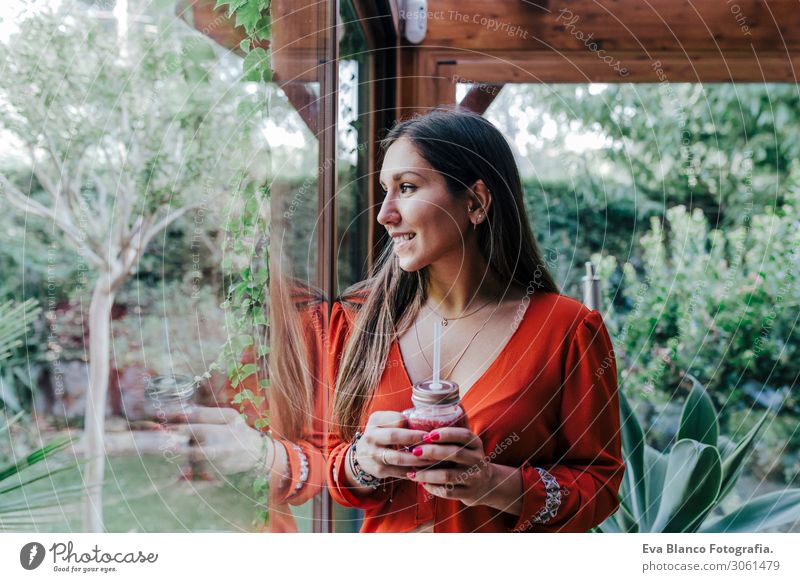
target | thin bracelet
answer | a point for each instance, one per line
(361, 476)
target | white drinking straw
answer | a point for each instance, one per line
(437, 341)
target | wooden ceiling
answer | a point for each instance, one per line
(508, 41)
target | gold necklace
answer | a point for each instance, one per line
(464, 351)
(446, 320)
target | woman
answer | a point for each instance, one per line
(542, 450)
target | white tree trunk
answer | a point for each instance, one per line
(93, 432)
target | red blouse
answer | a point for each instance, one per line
(548, 404)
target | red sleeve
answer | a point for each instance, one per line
(305, 456)
(341, 320)
(579, 490)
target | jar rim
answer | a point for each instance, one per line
(446, 393)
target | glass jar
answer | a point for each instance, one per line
(168, 395)
(435, 406)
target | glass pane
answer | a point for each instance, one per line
(298, 304)
(352, 212)
(352, 201)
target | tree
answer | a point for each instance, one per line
(126, 133)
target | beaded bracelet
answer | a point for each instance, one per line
(361, 476)
(303, 469)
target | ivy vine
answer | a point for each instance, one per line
(248, 235)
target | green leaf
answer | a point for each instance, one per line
(248, 15)
(233, 5)
(263, 28)
(634, 480)
(734, 463)
(260, 483)
(266, 74)
(656, 466)
(765, 512)
(35, 457)
(691, 485)
(699, 419)
(254, 63)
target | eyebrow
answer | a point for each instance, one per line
(397, 176)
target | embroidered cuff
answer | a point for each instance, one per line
(553, 500)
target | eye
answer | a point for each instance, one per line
(406, 188)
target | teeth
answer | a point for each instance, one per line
(404, 237)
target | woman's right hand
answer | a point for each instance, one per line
(377, 451)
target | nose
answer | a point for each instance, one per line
(388, 213)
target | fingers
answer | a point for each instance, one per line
(388, 471)
(208, 415)
(449, 491)
(452, 477)
(393, 457)
(386, 418)
(453, 453)
(389, 437)
(454, 435)
(194, 433)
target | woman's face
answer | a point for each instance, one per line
(426, 222)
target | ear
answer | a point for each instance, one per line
(479, 198)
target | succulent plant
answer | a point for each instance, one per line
(681, 490)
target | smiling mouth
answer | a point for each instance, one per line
(402, 241)
(403, 237)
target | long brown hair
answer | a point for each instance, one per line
(292, 366)
(463, 147)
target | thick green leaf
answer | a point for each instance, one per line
(733, 464)
(691, 486)
(768, 511)
(656, 472)
(726, 446)
(634, 479)
(699, 419)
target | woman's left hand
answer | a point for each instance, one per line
(220, 436)
(470, 479)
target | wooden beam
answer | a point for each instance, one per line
(303, 100)
(617, 25)
(582, 67)
(480, 96)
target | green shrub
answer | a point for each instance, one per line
(721, 306)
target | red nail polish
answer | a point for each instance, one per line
(434, 436)
(426, 438)
(416, 451)
(411, 474)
